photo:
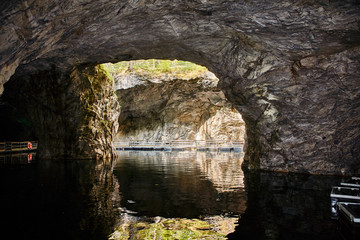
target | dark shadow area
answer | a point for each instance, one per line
(57, 199)
(14, 125)
(287, 206)
(81, 199)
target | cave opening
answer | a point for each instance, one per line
(172, 100)
(169, 106)
(150, 100)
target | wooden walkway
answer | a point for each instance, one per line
(179, 145)
(14, 147)
(172, 145)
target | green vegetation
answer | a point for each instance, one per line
(105, 69)
(154, 68)
(170, 229)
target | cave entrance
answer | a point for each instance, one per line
(165, 100)
(178, 103)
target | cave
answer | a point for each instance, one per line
(289, 67)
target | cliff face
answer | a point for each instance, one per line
(177, 109)
(291, 68)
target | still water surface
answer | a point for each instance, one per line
(181, 184)
(86, 199)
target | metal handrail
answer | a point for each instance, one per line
(179, 143)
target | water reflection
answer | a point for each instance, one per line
(7, 160)
(196, 185)
(181, 184)
(58, 199)
(84, 199)
(222, 169)
(179, 195)
(287, 206)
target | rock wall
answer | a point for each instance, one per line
(74, 115)
(289, 67)
(175, 109)
(307, 120)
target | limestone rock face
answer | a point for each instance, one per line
(75, 115)
(177, 109)
(289, 67)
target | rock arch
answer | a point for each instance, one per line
(289, 67)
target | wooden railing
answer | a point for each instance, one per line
(18, 146)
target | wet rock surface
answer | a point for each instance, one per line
(183, 228)
(289, 67)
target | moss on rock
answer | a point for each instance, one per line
(171, 229)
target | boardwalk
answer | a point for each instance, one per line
(179, 145)
(13, 147)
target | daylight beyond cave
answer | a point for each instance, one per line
(172, 100)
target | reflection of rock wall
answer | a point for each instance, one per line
(163, 109)
(224, 171)
(60, 200)
(179, 174)
(284, 206)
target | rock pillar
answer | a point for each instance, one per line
(74, 115)
(303, 117)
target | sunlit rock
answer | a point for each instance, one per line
(175, 109)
